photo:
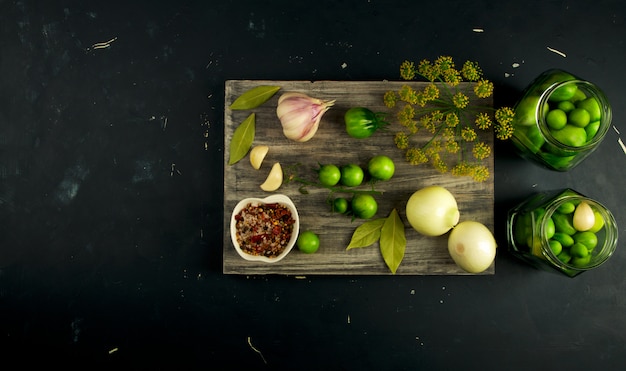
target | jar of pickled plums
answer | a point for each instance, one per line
(562, 231)
(560, 120)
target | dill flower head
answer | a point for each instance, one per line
(483, 121)
(504, 118)
(390, 98)
(431, 92)
(460, 100)
(401, 140)
(452, 77)
(407, 70)
(468, 134)
(471, 71)
(406, 114)
(416, 156)
(444, 63)
(504, 131)
(461, 169)
(427, 70)
(483, 88)
(479, 173)
(436, 116)
(452, 146)
(408, 94)
(481, 151)
(504, 115)
(452, 119)
(421, 99)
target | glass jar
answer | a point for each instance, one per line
(560, 120)
(552, 231)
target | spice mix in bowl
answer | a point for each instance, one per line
(264, 229)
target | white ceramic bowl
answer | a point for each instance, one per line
(276, 198)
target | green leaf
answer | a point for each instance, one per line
(242, 140)
(392, 241)
(254, 97)
(366, 234)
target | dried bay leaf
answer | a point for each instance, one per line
(242, 139)
(254, 97)
(392, 241)
(366, 234)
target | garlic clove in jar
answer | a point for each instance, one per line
(300, 115)
(584, 218)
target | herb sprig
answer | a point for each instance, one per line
(450, 112)
(291, 175)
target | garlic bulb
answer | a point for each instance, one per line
(300, 115)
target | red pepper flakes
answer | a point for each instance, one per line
(264, 229)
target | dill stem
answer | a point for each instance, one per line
(335, 189)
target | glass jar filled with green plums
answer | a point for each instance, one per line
(562, 231)
(560, 120)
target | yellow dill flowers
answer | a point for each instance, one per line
(416, 156)
(390, 98)
(460, 100)
(483, 121)
(451, 113)
(468, 134)
(401, 140)
(504, 128)
(481, 150)
(483, 88)
(407, 70)
(471, 71)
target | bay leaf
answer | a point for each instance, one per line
(366, 234)
(254, 97)
(392, 241)
(242, 139)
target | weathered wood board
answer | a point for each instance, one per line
(331, 144)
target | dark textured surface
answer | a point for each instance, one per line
(111, 189)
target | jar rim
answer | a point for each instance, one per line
(605, 121)
(610, 240)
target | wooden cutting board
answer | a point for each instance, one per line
(331, 144)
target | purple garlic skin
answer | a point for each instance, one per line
(300, 115)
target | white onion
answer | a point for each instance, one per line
(472, 246)
(432, 211)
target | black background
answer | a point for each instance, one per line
(111, 189)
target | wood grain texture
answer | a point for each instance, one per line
(331, 144)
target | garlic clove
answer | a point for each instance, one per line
(257, 154)
(274, 178)
(584, 218)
